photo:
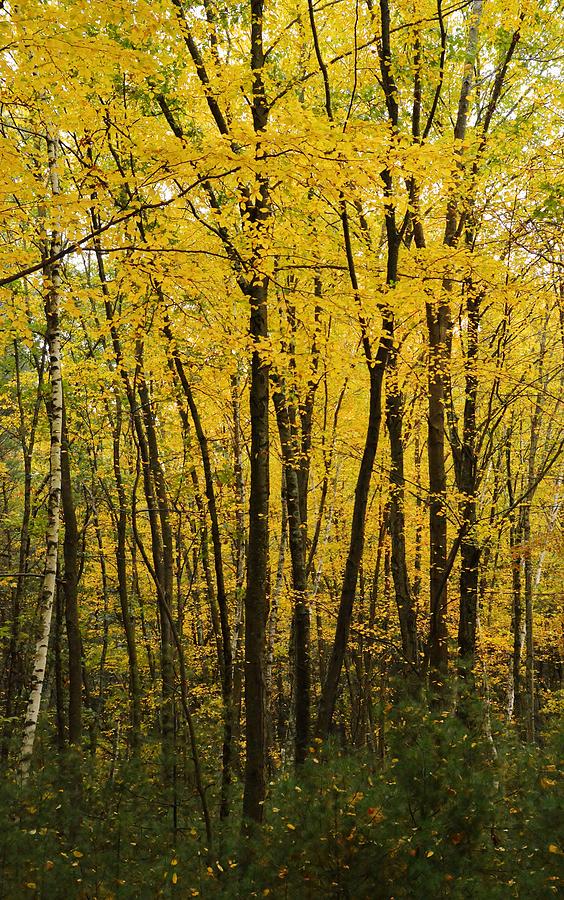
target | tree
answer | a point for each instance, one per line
(51, 274)
(304, 263)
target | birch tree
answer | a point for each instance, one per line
(51, 246)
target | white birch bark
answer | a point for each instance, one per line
(52, 279)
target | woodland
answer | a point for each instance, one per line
(281, 449)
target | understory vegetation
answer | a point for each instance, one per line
(439, 810)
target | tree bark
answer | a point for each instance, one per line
(296, 540)
(14, 676)
(466, 469)
(335, 664)
(52, 280)
(438, 324)
(163, 556)
(121, 566)
(70, 586)
(256, 599)
(257, 596)
(404, 599)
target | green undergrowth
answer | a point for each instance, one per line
(446, 813)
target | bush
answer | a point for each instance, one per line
(443, 815)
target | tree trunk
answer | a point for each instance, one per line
(440, 331)
(529, 692)
(525, 517)
(121, 565)
(331, 683)
(163, 556)
(52, 280)
(467, 481)
(515, 538)
(296, 540)
(221, 596)
(256, 599)
(438, 327)
(257, 596)
(70, 586)
(276, 591)
(15, 656)
(406, 607)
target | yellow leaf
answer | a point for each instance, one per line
(547, 782)
(174, 877)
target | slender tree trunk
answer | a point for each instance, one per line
(240, 538)
(105, 616)
(376, 366)
(515, 692)
(383, 518)
(515, 540)
(256, 600)
(306, 418)
(529, 692)
(299, 577)
(137, 595)
(59, 688)
(70, 586)
(125, 608)
(257, 596)
(277, 590)
(467, 481)
(240, 559)
(440, 331)
(163, 554)
(221, 596)
(52, 280)
(404, 599)
(526, 531)
(331, 683)
(417, 563)
(15, 660)
(438, 327)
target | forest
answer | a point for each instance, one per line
(281, 449)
